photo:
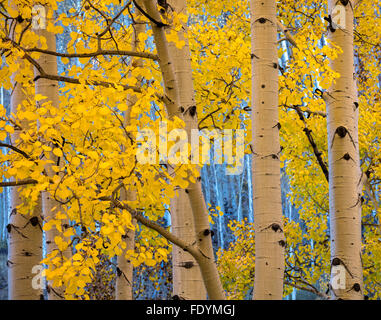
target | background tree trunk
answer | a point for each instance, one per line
(124, 277)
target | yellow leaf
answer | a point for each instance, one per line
(57, 152)
(75, 161)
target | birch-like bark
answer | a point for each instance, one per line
(125, 269)
(268, 220)
(24, 229)
(124, 279)
(51, 207)
(187, 278)
(206, 259)
(344, 164)
(24, 233)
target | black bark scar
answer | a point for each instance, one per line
(341, 131)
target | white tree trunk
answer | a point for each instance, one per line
(51, 207)
(24, 232)
(24, 229)
(187, 279)
(344, 165)
(205, 259)
(269, 237)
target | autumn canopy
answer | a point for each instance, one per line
(153, 149)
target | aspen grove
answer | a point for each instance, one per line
(173, 149)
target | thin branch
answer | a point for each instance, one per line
(145, 55)
(314, 291)
(311, 140)
(310, 112)
(44, 75)
(88, 82)
(109, 24)
(17, 183)
(286, 33)
(154, 226)
(9, 146)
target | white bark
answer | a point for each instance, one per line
(24, 229)
(269, 237)
(205, 260)
(187, 279)
(51, 207)
(344, 165)
(24, 232)
(124, 278)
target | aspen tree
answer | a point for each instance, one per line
(124, 277)
(268, 220)
(49, 89)
(344, 164)
(205, 255)
(125, 269)
(187, 279)
(24, 229)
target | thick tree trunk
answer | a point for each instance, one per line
(205, 259)
(24, 251)
(187, 278)
(51, 207)
(344, 165)
(24, 228)
(268, 220)
(24, 234)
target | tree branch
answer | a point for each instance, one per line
(17, 183)
(44, 75)
(145, 55)
(312, 143)
(310, 112)
(157, 23)
(109, 24)
(286, 33)
(314, 291)
(154, 226)
(6, 145)
(88, 82)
